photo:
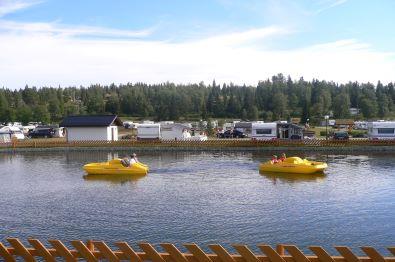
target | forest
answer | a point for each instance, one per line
(278, 98)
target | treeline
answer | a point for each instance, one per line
(276, 98)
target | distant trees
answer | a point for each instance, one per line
(341, 105)
(272, 99)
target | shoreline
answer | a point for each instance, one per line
(337, 149)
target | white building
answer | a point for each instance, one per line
(175, 132)
(91, 128)
(361, 125)
(148, 131)
(381, 130)
(354, 111)
(264, 131)
(148, 122)
(331, 122)
(228, 126)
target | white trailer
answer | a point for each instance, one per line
(174, 132)
(148, 132)
(264, 131)
(381, 130)
(13, 131)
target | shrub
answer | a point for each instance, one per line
(358, 133)
(323, 133)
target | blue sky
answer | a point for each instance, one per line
(58, 42)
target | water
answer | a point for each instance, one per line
(199, 197)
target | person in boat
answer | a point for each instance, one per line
(125, 161)
(274, 159)
(133, 159)
(128, 162)
(283, 157)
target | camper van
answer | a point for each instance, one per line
(381, 130)
(263, 131)
(148, 132)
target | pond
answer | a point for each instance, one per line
(201, 197)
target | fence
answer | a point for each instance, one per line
(97, 250)
(212, 143)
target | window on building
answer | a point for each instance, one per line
(385, 130)
(263, 131)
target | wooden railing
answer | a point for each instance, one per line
(97, 250)
(217, 143)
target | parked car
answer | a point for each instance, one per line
(225, 134)
(42, 133)
(340, 135)
(231, 134)
(238, 134)
(296, 137)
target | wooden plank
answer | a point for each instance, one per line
(347, 254)
(392, 250)
(5, 254)
(373, 254)
(221, 252)
(280, 250)
(20, 249)
(271, 253)
(246, 253)
(321, 253)
(198, 253)
(128, 251)
(105, 251)
(151, 252)
(62, 250)
(41, 250)
(174, 252)
(84, 250)
(90, 246)
(296, 254)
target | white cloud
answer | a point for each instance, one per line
(328, 4)
(55, 28)
(51, 60)
(65, 30)
(245, 37)
(11, 6)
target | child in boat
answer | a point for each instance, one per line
(283, 157)
(274, 159)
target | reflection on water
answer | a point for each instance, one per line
(293, 178)
(114, 179)
(204, 197)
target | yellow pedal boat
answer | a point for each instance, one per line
(293, 165)
(114, 167)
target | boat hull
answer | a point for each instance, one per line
(114, 167)
(300, 167)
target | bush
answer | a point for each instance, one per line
(323, 133)
(358, 133)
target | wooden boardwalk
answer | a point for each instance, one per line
(99, 250)
(214, 143)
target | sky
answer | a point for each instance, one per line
(74, 43)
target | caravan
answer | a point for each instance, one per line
(263, 131)
(148, 132)
(381, 130)
(13, 132)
